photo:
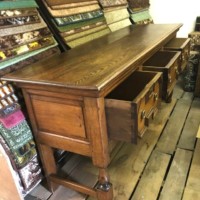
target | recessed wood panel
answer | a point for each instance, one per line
(59, 118)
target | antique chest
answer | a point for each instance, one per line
(182, 45)
(168, 63)
(72, 99)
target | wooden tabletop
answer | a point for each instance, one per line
(100, 65)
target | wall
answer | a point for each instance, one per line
(176, 11)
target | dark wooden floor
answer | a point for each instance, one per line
(164, 165)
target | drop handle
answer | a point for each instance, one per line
(186, 54)
(183, 57)
(143, 114)
(145, 118)
(169, 78)
(156, 96)
(176, 70)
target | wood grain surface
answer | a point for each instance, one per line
(101, 64)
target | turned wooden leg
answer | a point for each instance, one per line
(49, 165)
(104, 187)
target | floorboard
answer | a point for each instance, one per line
(153, 176)
(193, 181)
(190, 194)
(188, 136)
(175, 182)
(171, 134)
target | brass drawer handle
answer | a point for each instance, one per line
(176, 70)
(169, 78)
(186, 54)
(155, 96)
(143, 114)
(183, 58)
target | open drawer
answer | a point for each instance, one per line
(166, 62)
(182, 45)
(130, 106)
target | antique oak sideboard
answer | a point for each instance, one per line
(66, 98)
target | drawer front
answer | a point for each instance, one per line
(172, 76)
(182, 45)
(131, 105)
(167, 62)
(147, 107)
(185, 57)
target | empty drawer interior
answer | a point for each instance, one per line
(177, 43)
(161, 59)
(132, 86)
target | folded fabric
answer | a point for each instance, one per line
(19, 21)
(23, 28)
(85, 33)
(83, 28)
(119, 25)
(8, 100)
(18, 13)
(16, 40)
(45, 54)
(23, 169)
(22, 60)
(113, 8)
(31, 174)
(21, 156)
(138, 4)
(116, 15)
(73, 5)
(141, 16)
(12, 120)
(22, 159)
(109, 3)
(22, 151)
(83, 40)
(78, 18)
(9, 109)
(8, 152)
(71, 11)
(4, 91)
(79, 24)
(132, 11)
(61, 2)
(5, 5)
(17, 136)
(145, 21)
(41, 43)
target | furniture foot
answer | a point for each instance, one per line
(104, 187)
(105, 195)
